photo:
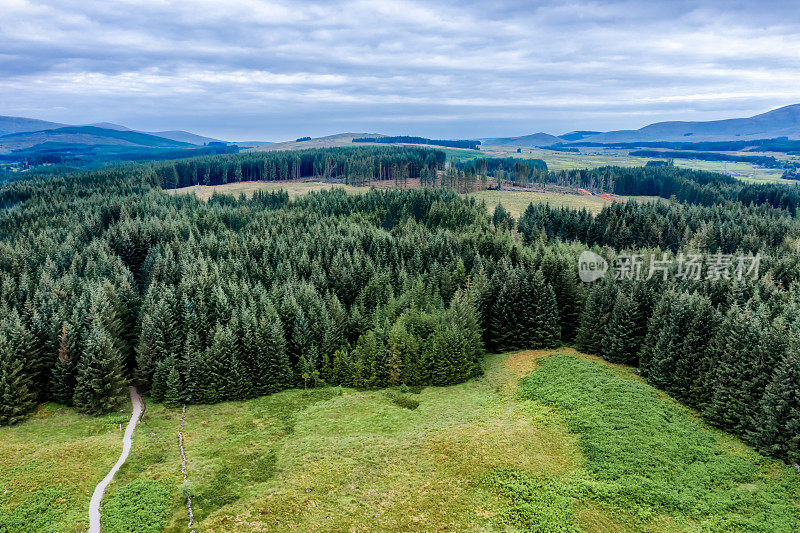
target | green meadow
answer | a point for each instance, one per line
(548, 440)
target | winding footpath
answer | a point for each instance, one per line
(94, 504)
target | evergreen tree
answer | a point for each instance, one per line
(596, 317)
(158, 386)
(620, 344)
(342, 372)
(100, 385)
(777, 427)
(173, 395)
(737, 342)
(17, 396)
(276, 373)
(62, 382)
(540, 319)
(692, 363)
(657, 320)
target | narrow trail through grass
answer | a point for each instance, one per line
(97, 495)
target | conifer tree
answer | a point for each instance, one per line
(342, 372)
(655, 324)
(100, 386)
(737, 342)
(158, 387)
(620, 344)
(540, 316)
(692, 363)
(277, 372)
(777, 426)
(62, 382)
(17, 396)
(190, 365)
(596, 317)
(662, 363)
(22, 343)
(173, 395)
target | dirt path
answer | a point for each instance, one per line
(94, 504)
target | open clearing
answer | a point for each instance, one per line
(599, 157)
(514, 201)
(576, 447)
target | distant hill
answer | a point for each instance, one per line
(781, 122)
(20, 124)
(329, 141)
(535, 139)
(88, 135)
(578, 135)
(185, 136)
(9, 125)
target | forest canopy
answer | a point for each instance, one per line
(106, 280)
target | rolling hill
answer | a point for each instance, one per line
(781, 122)
(86, 135)
(11, 125)
(535, 139)
(20, 124)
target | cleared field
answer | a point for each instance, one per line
(489, 455)
(598, 157)
(294, 188)
(514, 201)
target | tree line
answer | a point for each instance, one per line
(405, 139)
(352, 165)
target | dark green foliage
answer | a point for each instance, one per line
(621, 344)
(174, 388)
(17, 395)
(597, 314)
(737, 345)
(138, 507)
(104, 278)
(777, 428)
(501, 219)
(650, 457)
(100, 386)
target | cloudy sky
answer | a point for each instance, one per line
(264, 70)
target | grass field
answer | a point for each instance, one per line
(579, 445)
(598, 157)
(514, 201)
(294, 188)
(50, 464)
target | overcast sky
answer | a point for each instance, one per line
(256, 70)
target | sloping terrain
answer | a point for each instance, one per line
(329, 141)
(90, 135)
(20, 124)
(579, 445)
(781, 122)
(533, 140)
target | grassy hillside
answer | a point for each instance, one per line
(581, 445)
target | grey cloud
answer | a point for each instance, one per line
(276, 70)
